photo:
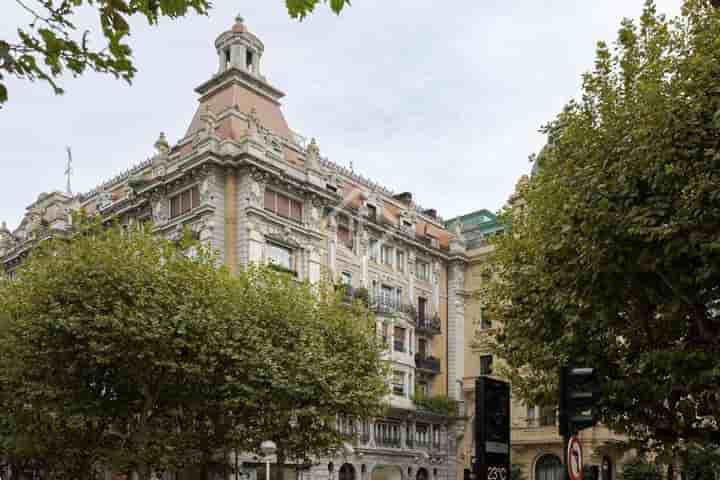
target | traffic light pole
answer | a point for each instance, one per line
(564, 421)
(579, 394)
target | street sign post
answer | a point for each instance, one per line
(574, 459)
(492, 429)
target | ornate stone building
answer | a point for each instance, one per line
(536, 446)
(256, 191)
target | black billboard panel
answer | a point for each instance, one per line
(492, 429)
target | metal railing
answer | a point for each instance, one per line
(427, 362)
(426, 324)
(385, 302)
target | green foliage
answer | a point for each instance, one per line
(300, 9)
(53, 44)
(439, 404)
(640, 469)
(613, 260)
(363, 295)
(118, 349)
(701, 462)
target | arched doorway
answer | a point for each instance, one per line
(387, 472)
(548, 467)
(347, 472)
(422, 474)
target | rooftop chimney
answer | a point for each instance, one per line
(404, 197)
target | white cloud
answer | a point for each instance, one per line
(440, 98)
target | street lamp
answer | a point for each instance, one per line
(268, 448)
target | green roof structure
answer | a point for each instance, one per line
(476, 226)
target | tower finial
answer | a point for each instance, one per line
(68, 171)
(239, 18)
(161, 144)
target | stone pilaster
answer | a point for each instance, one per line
(456, 316)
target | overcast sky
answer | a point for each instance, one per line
(441, 98)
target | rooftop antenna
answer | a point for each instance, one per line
(69, 171)
(351, 166)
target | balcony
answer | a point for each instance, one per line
(428, 325)
(384, 303)
(427, 363)
(388, 442)
(399, 346)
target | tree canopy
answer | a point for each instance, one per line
(122, 350)
(53, 43)
(612, 256)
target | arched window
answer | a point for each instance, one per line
(548, 467)
(422, 474)
(347, 472)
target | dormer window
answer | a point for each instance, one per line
(372, 212)
(248, 60)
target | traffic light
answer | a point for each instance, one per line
(579, 393)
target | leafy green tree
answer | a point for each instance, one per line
(322, 359)
(612, 259)
(701, 462)
(53, 43)
(119, 350)
(641, 469)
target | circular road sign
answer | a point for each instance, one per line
(574, 459)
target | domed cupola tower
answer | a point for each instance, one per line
(238, 48)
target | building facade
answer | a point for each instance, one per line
(537, 449)
(252, 189)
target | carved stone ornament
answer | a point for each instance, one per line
(104, 199)
(161, 145)
(160, 213)
(315, 214)
(255, 193)
(206, 196)
(253, 125)
(7, 241)
(458, 232)
(312, 156)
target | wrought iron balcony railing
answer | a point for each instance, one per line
(427, 363)
(428, 325)
(385, 303)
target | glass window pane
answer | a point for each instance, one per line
(283, 205)
(175, 206)
(269, 200)
(279, 256)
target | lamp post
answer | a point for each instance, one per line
(268, 448)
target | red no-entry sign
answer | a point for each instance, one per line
(574, 459)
